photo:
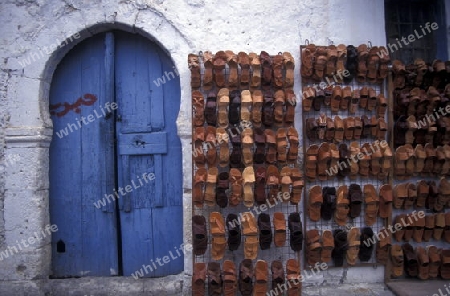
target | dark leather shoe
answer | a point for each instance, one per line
(265, 231)
(234, 232)
(200, 235)
(295, 232)
(329, 201)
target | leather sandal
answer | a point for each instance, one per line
(214, 279)
(418, 229)
(367, 127)
(382, 129)
(445, 264)
(308, 95)
(446, 233)
(248, 224)
(295, 232)
(199, 233)
(235, 107)
(277, 276)
(198, 102)
(307, 58)
(313, 247)
(211, 143)
(382, 248)
(293, 145)
(351, 64)
(422, 193)
(323, 160)
(372, 64)
(279, 226)
(195, 70)
(246, 104)
(279, 107)
(319, 99)
(219, 62)
(271, 151)
(265, 231)
(364, 97)
(372, 102)
(386, 163)
(248, 176)
(397, 261)
(374, 126)
(234, 232)
(423, 263)
(358, 128)
(401, 156)
(272, 182)
(400, 234)
(371, 200)
(315, 203)
(354, 102)
(362, 63)
(236, 187)
(383, 68)
(428, 230)
(365, 248)
(256, 70)
(266, 62)
(400, 195)
(261, 278)
(268, 112)
(260, 186)
(297, 186)
(320, 63)
(278, 68)
(224, 150)
(217, 229)
(327, 246)
(286, 181)
(381, 105)
(198, 279)
(342, 206)
(410, 162)
(385, 201)
(344, 158)
(210, 189)
(229, 278)
(412, 196)
(247, 146)
(208, 75)
(329, 133)
(399, 74)
(411, 264)
(439, 227)
(356, 200)
(289, 65)
(412, 127)
(439, 160)
(431, 201)
(246, 277)
(223, 185)
(349, 128)
(311, 162)
(233, 76)
(293, 277)
(340, 247)
(354, 242)
(260, 142)
(210, 110)
(376, 156)
(354, 167)
(429, 161)
(421, 155)
(281, 145)
(334, 160)
(244, 63)
(236, 153)
(329, 203)
(321, 126)
(339, 129)
(257, 108)
(332, 55)
(197, 192)
(336, 98)
(291, 102)
(341, 62)
(434, 261)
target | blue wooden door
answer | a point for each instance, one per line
(132, 156)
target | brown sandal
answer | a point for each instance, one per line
(248, 176)
(289, 65)
(199, 155)
(315, 203)
(279, 107)
(236, 187)
(297, 186)
(278, 66)
(233, 77)
(220, 59)
(293, 145)
(224, 101)
(308, 54)
(281, 145)
(279, 225)
(256, 70)
(244, 63)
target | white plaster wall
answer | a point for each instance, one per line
(181, 27)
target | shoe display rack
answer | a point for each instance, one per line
(247, 228)
(347, 155)
(421, 138)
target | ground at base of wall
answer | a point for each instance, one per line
(420, 288)
(163, 286)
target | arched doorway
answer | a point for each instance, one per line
(115, 160)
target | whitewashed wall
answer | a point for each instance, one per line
(179, 26)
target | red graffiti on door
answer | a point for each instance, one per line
(86, 100)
